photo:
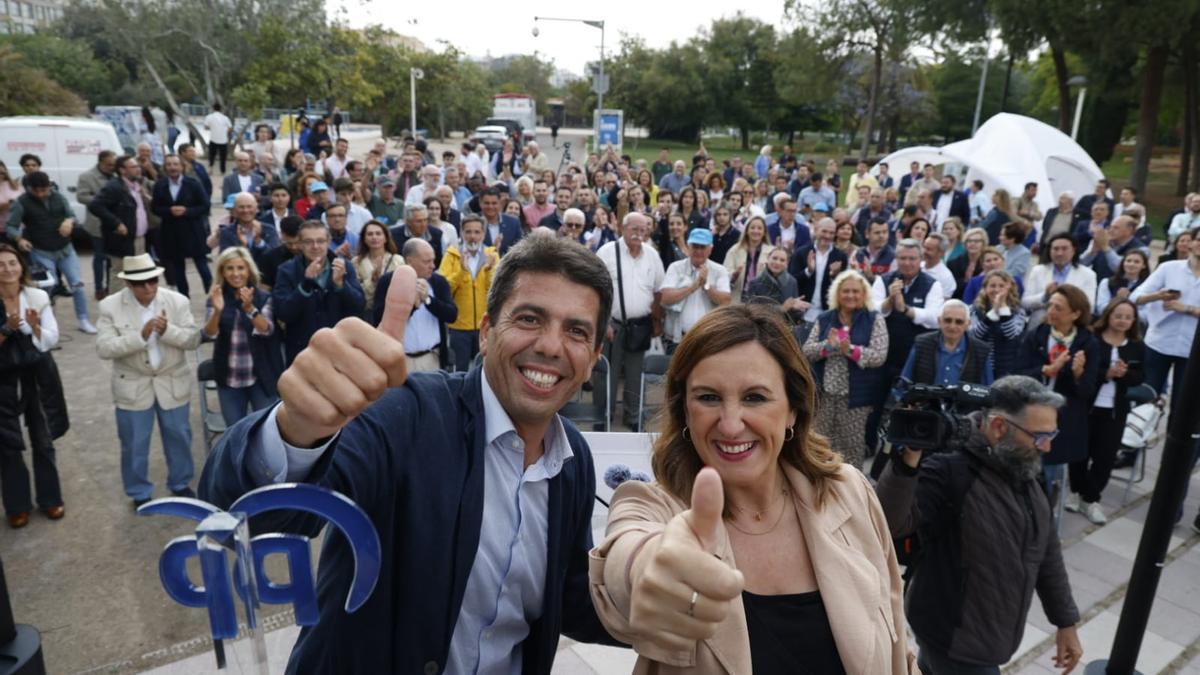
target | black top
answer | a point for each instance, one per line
(790, 634)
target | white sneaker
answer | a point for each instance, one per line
(1094, 513)
(1073, 502)
(86, 326)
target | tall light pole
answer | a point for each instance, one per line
(600, 86)
(987, 43)
(1081, 82)
(414, 74)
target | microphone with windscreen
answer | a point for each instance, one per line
(616, 474)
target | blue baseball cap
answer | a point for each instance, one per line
(318, 186)
(700, 237)
(822, 207)
(229, 201)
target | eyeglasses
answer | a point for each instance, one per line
(1038, 437)
(143, 282)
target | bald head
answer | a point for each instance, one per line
(418, 253)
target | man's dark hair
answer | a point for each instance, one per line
(183, 146)
(1030, 184)
(1014, 231)
(277, 186)
(489, 192)
(878, 220)
(342, 140)
(1012, 394)
(420, 145)
(552, 255)
(105, 154)
(353, 165)
(448, 154)
(343, 185)
(1105, 181)
(38, 179)
(928, 165)
(977, 183)
(122, 159)
(217, 107)
(884, 165)
(1065, 236)
(816, 177)
(290, 225)
(953, 180)
(28, 156)
(337, 205)
(910, 210)
(1132, 190)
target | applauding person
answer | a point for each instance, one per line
(246, 358)
(758, 549)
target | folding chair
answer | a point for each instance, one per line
(654, 371)
(1140, 434)
(214, 422)
(584, 412)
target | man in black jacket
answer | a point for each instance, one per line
(122, 208)
(986, 534)
(425, 343)
(816, 266)
(180, 201)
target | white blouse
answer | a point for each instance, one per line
(37, 299)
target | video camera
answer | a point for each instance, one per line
(934, 418)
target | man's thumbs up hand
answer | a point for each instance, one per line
(345, 368)
(683, 592)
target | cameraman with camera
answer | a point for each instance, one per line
(986, 535)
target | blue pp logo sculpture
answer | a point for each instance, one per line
(220, 532)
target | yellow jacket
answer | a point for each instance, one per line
(469, 294)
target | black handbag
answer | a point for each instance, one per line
(636, 333)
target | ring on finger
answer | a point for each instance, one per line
(692, 606)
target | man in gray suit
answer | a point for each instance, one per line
(245, 179)
(90, 183)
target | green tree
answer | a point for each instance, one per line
(740, 56)
(666, 91)
(523, 74)
(29, 91)
(69, 63)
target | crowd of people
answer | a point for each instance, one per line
(879, 282)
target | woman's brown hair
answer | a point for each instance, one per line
(389, 244)
(26, 277)
(1078, 301)
(675, 459)
(1135, 329)
(983, 302)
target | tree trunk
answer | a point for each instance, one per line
(1190, 118)
(791, 138)
(893, 132)
(1152, 85)
(745, 132)
(1007, 82)
(873, 101)
(1064, 90)
(193, 132)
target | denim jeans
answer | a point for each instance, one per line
(99, 264)
(134, 428)
(465, 344)
(66, 261)
(237, 402)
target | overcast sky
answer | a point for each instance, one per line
(504, 27)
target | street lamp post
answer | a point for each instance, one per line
(601, 84)
(1081, 82)
(414, 74)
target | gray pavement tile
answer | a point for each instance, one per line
(1100, 563)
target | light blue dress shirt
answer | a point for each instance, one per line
(506, 586)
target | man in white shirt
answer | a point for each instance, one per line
(1170, 298)
(430, 177)
(424, 336)
(816, 266)
(1187, 220)
(1062, 269)
(935, 247)
(637, 285)
(693, 286)
(218, 126)
(335, 164)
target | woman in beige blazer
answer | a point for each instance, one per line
(779, 554)
(748, 258)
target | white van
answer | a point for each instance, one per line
(67, 146)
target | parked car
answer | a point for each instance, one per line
(492, 137)
(67, 146)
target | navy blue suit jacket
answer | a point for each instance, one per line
(231, 185)
(510, 228)
(960, 205)
(807, 283)
(414, 462)
(306, 308)
(803, 234)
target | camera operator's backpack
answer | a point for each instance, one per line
(962, 475)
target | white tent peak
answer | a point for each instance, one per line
(1009, 151)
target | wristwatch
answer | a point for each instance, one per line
(252, 313)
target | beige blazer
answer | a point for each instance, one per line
(852, 557)
(735, 258)
(135, 384)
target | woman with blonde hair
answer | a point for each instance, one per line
(998, 319)
(246, 358)
(1002, 213)
(847, 347)
(758, 549)
(953, 229)
(523, 190)
(747, 259)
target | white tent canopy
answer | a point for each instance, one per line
(1009, 151)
